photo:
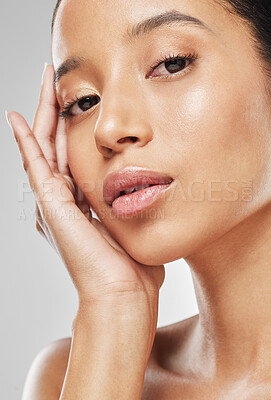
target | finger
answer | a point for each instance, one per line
(61, 147)
(75, 238)
(45, 121)
(34, 162)
(39, 172)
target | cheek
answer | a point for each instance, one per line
(213, 131)
(83, 162)
(220, 153)
(224, 153)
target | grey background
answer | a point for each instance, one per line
(38, 300)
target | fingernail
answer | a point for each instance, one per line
(44, 69)
(7, 118)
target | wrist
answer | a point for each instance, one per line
(107, 361)
(118, 326)
(122, 309)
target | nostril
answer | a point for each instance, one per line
(107, 150)
(133, 138)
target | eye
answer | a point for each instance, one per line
(172, 65)
(78, 106)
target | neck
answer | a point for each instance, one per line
(232, 279)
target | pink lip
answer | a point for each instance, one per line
(128, 177)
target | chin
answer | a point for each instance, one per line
(165, 244)
(155, 260)
(151, 243)
(148, 253)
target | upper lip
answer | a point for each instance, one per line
(129, 177)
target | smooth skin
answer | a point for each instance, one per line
(113, 289)
(208, 127)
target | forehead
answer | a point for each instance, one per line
(92, 23)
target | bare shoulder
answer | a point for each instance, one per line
(47, 372)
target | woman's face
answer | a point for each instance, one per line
(205, 123)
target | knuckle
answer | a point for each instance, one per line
(21, 141)
(44, 140)
(27, 136)
(44, 102)
(28, 163)
(42, 186)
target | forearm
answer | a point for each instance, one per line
(108, 357)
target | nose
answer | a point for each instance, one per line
(122, 121)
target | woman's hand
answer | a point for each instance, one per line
(102, 271)
(115, 326)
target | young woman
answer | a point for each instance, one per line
(173, 94)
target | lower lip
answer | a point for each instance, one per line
(132, 203)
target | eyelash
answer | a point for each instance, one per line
(65, 112)
(171, 57)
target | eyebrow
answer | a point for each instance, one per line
(166, 18)
(136, 31)
(70, 64)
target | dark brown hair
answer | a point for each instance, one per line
(256, 14)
